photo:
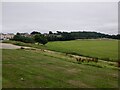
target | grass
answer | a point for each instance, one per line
(103, 49)
(38, 69)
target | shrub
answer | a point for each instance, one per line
(23, 39)
(40, 39)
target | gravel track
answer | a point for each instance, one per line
(9, 46)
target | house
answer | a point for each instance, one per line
(6, 36)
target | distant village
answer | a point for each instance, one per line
(6, 36)
(61, 36)
(10, 35)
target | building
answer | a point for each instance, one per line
(6, 36)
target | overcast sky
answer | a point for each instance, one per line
(60, 16)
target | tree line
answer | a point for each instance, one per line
(60, 36)
(63, 36)
(32, 38)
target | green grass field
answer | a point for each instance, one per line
(35, 69)
(103, 49)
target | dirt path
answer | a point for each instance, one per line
(9, 46)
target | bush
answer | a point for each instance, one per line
(40, 39)
(23, 39)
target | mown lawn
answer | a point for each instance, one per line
(103, 49)
(35, 69)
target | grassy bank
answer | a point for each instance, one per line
(35, 69)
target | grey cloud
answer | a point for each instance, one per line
(53, 16)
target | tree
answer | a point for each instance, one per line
(18, 37)
(59, 32)
(17, 33)
(35, 32)
(40, 39)
(50, 32)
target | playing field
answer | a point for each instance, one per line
(103, 49)
(36, 69)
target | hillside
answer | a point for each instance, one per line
(38, 69)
